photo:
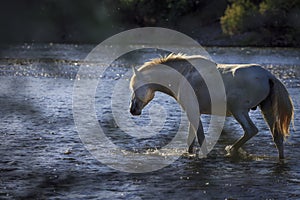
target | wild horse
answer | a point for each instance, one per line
(246, 87)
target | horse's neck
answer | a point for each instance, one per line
(164, 79)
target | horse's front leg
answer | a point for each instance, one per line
(191, 139)
(200, 137)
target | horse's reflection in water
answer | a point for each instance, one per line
(246, 86)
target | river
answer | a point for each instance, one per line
(43, 157)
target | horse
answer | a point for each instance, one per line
(247, 86)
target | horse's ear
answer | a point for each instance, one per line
(135, 71)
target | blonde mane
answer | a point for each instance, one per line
(169, 58)
(164, 60)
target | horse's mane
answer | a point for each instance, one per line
(166, 59)
(169, 58)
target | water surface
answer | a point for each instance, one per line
(42, 156)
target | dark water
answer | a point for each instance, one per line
(42, 156)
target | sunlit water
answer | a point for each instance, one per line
(42, 156)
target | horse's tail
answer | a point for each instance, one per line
(282, 107)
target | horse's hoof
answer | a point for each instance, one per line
(228, 148)
(200, 155)
(237, 153)
(231, 152)
(190, 150)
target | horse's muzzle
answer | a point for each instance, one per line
(135, 107)
(135, 111)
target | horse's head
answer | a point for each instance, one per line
(142, 93)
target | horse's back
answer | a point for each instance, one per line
(246, 85)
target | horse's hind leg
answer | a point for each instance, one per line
(278, 139)
(266, 109)
(249, 130)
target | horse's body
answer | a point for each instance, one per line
(246, 87)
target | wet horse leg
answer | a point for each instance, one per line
(191, 139)
(249, 131)
(200, 138)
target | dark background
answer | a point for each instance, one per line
(211, 22)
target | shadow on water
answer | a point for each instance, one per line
(45, 182)
(22, 107)
(12, 101)
(281, 167)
